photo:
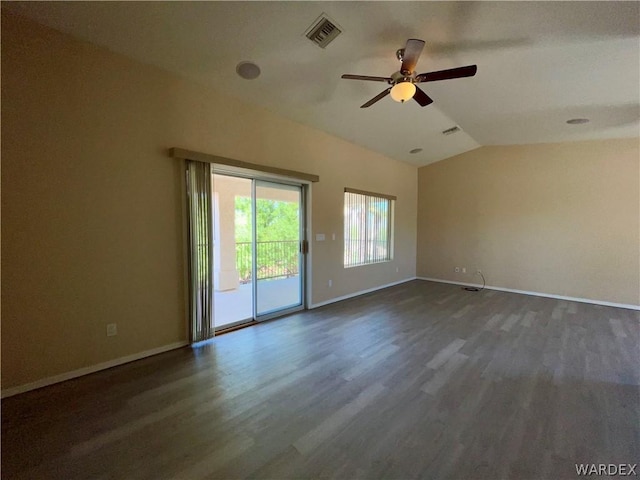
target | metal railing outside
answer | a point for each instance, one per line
(361, 252)
(276, 259)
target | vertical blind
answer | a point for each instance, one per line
(367, 228)
(200, 204)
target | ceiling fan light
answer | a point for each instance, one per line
(403, 91)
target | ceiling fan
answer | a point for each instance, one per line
(403, 82)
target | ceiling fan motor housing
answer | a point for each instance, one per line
(399, 77)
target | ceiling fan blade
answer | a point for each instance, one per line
(366, 77)
(412, 52)
(468, 71)
(422, 98)
(380, 96)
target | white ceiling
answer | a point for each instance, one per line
(539, 64)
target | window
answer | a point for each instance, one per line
(368, 227)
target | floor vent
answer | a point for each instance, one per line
(451, 130)
(323, 31)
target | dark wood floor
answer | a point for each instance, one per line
(422, 380)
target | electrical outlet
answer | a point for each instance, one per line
(457, 269)
(464, 269)
(112, 330)
(330, 283)
(397, 269)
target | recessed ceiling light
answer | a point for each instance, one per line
(577, 121)
(248, 70)
(415, 150)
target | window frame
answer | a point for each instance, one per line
(368, 258)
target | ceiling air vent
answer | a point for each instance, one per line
(323, 31)
(452, 130)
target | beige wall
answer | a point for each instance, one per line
(92, 206)
(553, 218)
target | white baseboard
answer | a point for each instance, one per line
(537, 294)
(357, 294)
(87, 370)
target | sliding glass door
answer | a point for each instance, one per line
(278, 252)
(232, 250)
(258, 242)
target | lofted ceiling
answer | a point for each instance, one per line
(539, 64)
